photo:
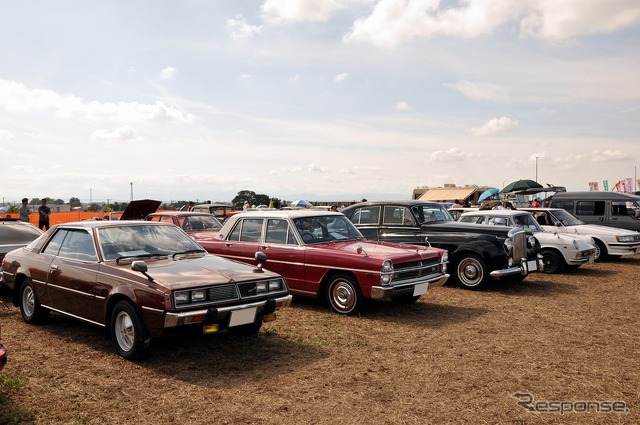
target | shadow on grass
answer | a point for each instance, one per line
(221, 360)
(421, 313)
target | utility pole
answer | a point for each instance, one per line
(536, 168)
(131, 191)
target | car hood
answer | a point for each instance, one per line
(380, 250)
(563, 239)
(201, 271)
(139, 209)
(586, 229)
(203, 234)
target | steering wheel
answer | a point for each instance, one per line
(308, 237)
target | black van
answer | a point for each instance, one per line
(613, 209)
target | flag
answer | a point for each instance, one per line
(629, 184)
(593, 187)
(605, 185)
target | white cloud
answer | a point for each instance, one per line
(316, 168)
(288, 11)
(122, 134)
(15, 97)
(5, 136)
(168, 73)
(393, 22)
(451, 155)
(240, 29)
(340, 77)
(608, 155)
(402, 106)
(495, 126)
(481, 91)
(245, 77)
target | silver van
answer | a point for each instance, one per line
(613, 209)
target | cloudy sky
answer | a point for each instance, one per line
(316, 99)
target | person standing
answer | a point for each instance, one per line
(24, 210)
(43, 214)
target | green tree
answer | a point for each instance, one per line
(58, 202)
(261, 199)
(244, 195)
(75, 202)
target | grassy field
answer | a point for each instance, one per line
(456, 356)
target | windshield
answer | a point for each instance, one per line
(431, 213)
(565, 218)
(144, 240)
(527, 222)
(199, 222)
(319, 229)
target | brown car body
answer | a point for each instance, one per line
(139, 294)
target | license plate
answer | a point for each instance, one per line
(243, 317)
(420, 289)
(532, 265)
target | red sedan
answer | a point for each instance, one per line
(322, 254)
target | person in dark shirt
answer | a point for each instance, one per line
(43, 214)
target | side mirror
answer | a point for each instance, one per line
(261, 258)
(141, 266)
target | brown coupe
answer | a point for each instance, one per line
(138, 280)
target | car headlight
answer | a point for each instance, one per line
(509, 244)
(261, 287)
(386, 272)
(625, 238)
(182, 297)
(531, 241)
(445, 260)
(198, 295)
(275, 285)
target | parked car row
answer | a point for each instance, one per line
(185, 271)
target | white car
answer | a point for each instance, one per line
(609, 241)
(559, 250)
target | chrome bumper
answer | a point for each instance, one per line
(407, 288)
(524, 268)
(172, 320)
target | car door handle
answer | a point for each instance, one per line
(54, 268)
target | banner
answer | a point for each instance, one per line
(593, 187)
(629, 184)
(605, 185)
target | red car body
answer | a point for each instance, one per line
(198, 225)
(330, 258)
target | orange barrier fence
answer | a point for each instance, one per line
(59, 217)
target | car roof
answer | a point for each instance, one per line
(503, 213)
(181, 213)
(91, 224)
(595, 195)
(283, 213)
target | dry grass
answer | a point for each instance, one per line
(456, 356)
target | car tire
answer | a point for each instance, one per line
(552, 261)
(128, 332)
(470, 272)
(246, 330)
(344, 295)
(601, 253)
(30, 309)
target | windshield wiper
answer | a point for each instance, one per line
(123, 257)
(189, 251)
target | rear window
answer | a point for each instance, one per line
(14, 233)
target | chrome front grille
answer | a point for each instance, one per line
(408, 271)
(519, 240)
(223, 293)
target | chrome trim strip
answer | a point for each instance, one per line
(75, 291)
(74, 316)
